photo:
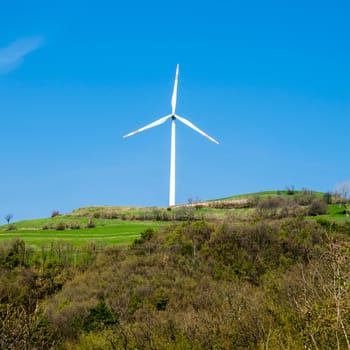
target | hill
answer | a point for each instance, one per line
(109, 225)
(264, 281)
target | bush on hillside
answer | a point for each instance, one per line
(145, 236)
(90, 224)
(55, 213)
(317, 207)
(74, 225)
(327, 197)
(290, 190)
(99, 317)
(270, 206)
(306, 197)
(60, 226)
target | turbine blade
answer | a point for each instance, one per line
(174, 97)
(148, 126)
(192, 126)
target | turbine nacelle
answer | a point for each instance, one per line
(173, 117)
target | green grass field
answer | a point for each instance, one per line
(335, 214)
(105, 232)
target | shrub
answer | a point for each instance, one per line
(327, 197)
(317, 207)
(269, 207)
(75, 225)
(49, 226)
(11, 228)
(290, 190)
(145, 236)
(60, 226)
(90, 224)
(306, 197)
(99, 317)
(13, 255)
(55, 213)
(184, 214)
(161, 300)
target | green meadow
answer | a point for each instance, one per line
(43, 232)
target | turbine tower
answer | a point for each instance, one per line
(173, 118)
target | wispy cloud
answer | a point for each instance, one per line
(12, 56)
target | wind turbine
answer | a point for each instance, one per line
(173, 118)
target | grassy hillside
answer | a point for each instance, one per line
(259, 271)
(109, 225)
(76, 231)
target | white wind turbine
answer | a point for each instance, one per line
(173, 118)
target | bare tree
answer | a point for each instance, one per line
(343, 189)
(8, 217)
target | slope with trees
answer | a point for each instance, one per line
(269, 280)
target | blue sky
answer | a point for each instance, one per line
(270, 80)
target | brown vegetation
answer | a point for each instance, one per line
(272, 281)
